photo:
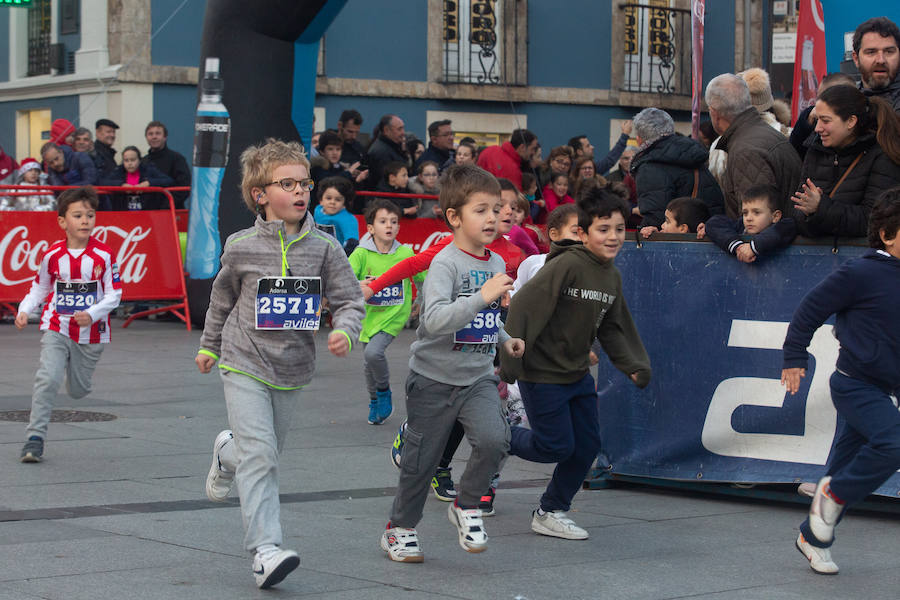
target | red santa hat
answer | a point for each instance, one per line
(29, 164)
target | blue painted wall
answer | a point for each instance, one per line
(569, 45)
(718, 40)
(65, 107)
(4, 45)
(378, 40)
(175, 105)
(178, 42)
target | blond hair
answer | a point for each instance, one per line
(259, 162)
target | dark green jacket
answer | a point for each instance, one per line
(574, 298)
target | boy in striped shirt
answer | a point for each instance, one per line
(79, 281)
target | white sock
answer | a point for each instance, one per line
(266, 548)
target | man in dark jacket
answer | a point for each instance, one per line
(104, 155)
(388, 147)
(440, 145)
(167, 161)
(67, 167)
(668, 166)
(876, 52)
(757, 154)
(348, 128)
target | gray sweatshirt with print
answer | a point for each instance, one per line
(279, 358)
(445, 349)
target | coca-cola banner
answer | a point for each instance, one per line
(809, 57)
(418, 234)
(143, 243)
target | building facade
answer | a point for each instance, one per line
(559, 69)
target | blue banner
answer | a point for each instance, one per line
(715, 409)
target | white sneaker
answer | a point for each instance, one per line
(271, 567)
(218, 480)
(824, 512)
(556, 523)
(472, 536)
(819, 558)
(807, 489)
(402, 545)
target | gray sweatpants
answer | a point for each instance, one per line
(61, 357)
(260, 417)
(432, 408)
(378, 377)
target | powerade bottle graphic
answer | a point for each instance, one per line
(212, 133)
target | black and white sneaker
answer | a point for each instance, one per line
(33, 450)
(273, 566)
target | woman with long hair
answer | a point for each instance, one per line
(855, 156)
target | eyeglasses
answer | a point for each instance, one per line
(289, 183)
(562, 161)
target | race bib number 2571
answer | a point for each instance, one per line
(292, 303)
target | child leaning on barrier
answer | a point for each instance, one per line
(684, 215)
(29, 174)
(80, 276)
(862, 294)
(386, 311)
(261, 325)
(761, 230)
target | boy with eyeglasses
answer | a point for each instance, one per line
(264, 311)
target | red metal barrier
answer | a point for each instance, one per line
(151, 266)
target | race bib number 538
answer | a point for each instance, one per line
(292, 303)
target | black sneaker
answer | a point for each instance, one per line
(33, 450)
(487, 503)
(442, 484)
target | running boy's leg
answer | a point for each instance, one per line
(488, 434)
(431, 409)
(376, 361)
(871, 413)
(569, 474)
(83, 360)
(260, 423)
(550, 438)
(50, 374)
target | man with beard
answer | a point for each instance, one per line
(876, 52)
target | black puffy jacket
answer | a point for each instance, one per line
(665, 171)
(846, 212)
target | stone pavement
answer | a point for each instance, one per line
(117, 509)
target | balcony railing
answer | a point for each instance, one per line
(657, 48)
(480, 45)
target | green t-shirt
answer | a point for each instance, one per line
(388, 310)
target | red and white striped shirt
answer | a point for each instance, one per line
(59, 264)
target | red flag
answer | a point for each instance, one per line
(809, 56)
(698, 9)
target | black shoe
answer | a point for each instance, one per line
(487, 503)
(33, 450)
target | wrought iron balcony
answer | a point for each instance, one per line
(657, 48)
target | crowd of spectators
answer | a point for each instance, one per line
(73, 157)
(824, 170)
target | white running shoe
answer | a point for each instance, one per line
(402, 545)
(819, 558)
(556, 523)
(824, 512)
(469, 526)
(274, 565)
(218, 480)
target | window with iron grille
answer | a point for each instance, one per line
(657, 45)
(39, 21)
(480, 42)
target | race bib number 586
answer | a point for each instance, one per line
(292, 303)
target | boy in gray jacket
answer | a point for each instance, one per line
(451, 367)
(264, 311)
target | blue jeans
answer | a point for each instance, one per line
(565, 430)
(867, 450)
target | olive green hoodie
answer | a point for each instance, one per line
(574, 298)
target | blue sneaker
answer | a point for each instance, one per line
(397, 448)
(373, 412)
(33, 450)
(385, 407)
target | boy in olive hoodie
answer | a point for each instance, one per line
(578, 285)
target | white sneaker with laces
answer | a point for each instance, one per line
(218, 480)
(402, 545)
(819, 558)
(556, 523)
(273, 566)
(824, 512)
(469, 526)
